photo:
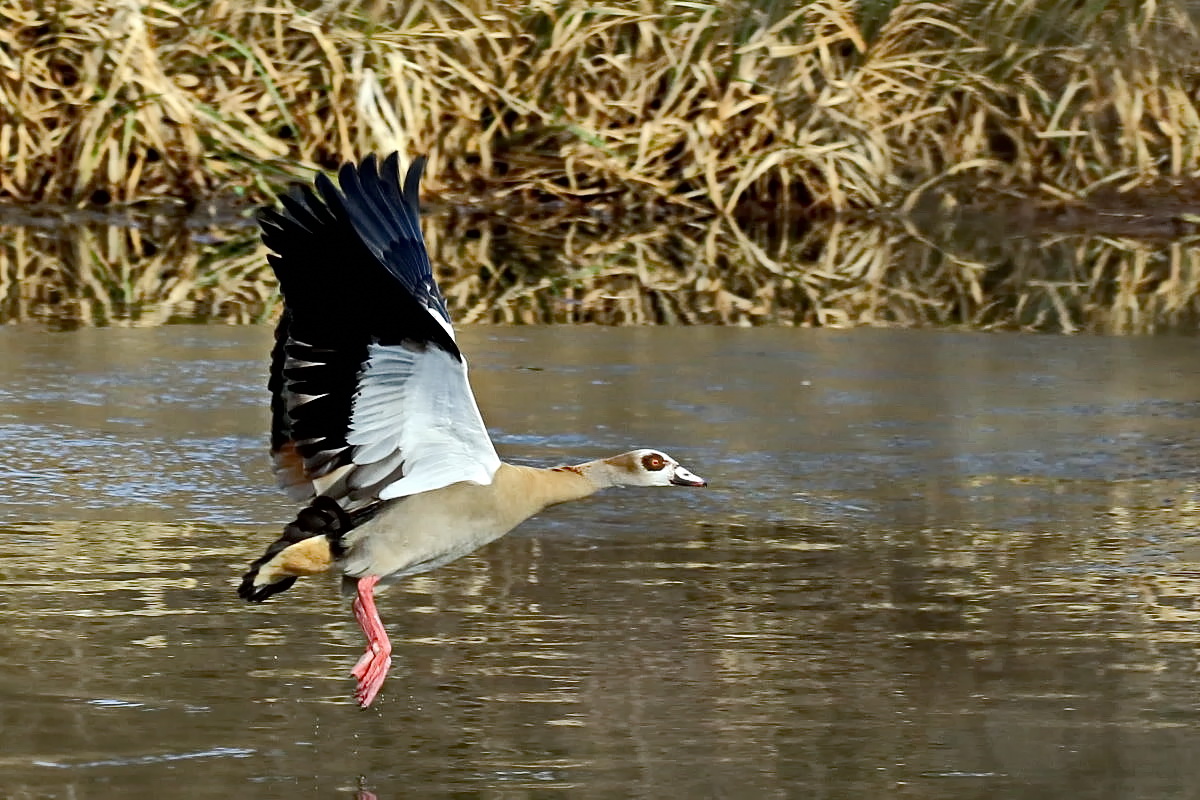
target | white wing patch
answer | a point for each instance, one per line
(415, 412)
(431, 288)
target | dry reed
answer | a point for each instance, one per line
(699, 105)
(559, 269)
(132, 274)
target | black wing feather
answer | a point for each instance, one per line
(387, 218)
(280, 434)
(353, 270)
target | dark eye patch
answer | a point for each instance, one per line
(653, 462)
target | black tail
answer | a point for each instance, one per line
(324, 517)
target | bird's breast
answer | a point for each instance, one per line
(422, 532)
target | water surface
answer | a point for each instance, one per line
(936, 565)
(982, 272)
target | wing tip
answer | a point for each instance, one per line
(412, 181)
(354, 178)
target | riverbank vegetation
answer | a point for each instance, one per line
(560, 269)
(644, 161)
(631, 108)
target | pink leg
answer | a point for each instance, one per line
(372, 668)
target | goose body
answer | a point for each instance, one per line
(374, 425)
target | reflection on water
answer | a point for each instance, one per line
(929, 565)
(566, 269)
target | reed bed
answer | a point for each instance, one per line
(559, 269)
(132, 275)
(631, 108)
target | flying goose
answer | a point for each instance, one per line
(374, 426)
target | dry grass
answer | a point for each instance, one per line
(699, 105)
(566, 117)
(559, 269)
(132, 274)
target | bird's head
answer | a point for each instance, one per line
(647, 467)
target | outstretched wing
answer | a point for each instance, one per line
(369, 391)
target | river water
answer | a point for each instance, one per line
(929, 564)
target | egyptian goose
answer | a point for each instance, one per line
(374, 425)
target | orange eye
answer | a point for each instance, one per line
(653, 462)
